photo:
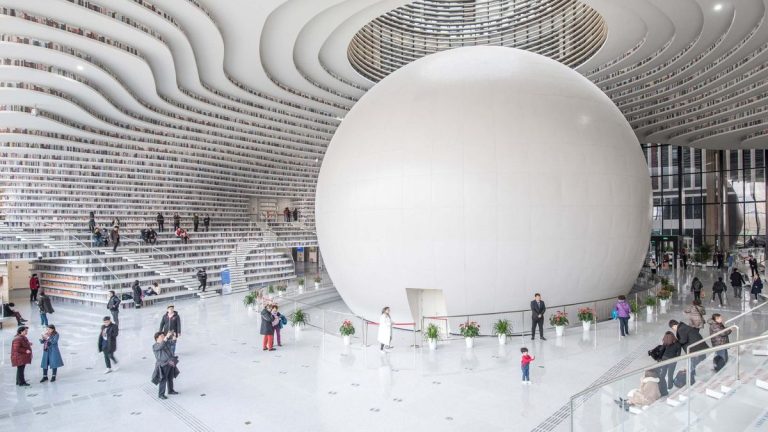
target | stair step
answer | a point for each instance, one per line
(714, 394)
(762, 384)
(763, 352)
(672, 402)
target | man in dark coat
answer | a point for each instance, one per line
(34, 285)
(113, 304)
(753, 266)
(691, 341)
(267, 329)
(176, 221)
(91, 222)
(160, 222)
(207, 222)
(115, 238)
(45, 307)
(195, 222)
(165, 365)
(737, 280)
(108, 343)
(202, 277)
(717, 290)
(171, 324)
(537, 316)
(137, 294)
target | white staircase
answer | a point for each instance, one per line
(147, 263)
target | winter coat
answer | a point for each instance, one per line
(695, 315)
(163, 355)
(202, 276)
(19, 348)
(196, 220)
(622, 309)
(736, 279)
(266, 322)
(671, 351)
(687, 336)
(696, 285)
(719, 287)
(137, 294)
(538, 309)
(206, 221)
(385, 329)
(757, 286)
(44, 304)
(280, 318)
(111, 342)
(715, 327)
(114, 303)
(647, 394)
(171, 324)
(160, 218)
(114, 236)
(34, 283)
(51, 354)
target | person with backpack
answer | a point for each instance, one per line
(170, 324)
(737, 281)
(281, 321)
(696, 287)
(718, 289)
(716, 325)
(45, 307)
(690, 341)
(202, 277)
(113, 304)
(695, 313)
(267, 329)
(623, 311)
(757, 287)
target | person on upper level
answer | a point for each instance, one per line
(195, 222)
(207, 223)
(160, 222)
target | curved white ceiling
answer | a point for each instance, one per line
(255, 90)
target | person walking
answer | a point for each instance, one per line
(91, 222)
(137, 294)
(176, 221)
(45, 307)
(537, 316)
(716, 325)
(170, 324)
(113, 304)
(34, 286)
(115, 222)
(51, 354)
(757, 287)
(267, 329)
(525, 365)
(737, 281)
(195, 222)
(690, 341)
(115, 238)
(202, 277)
(695, 313)
(720, 259)
(718, 288)
(729, 260)
(165, 365)
(21, 354)
(108, 343)
(160, 222)
(207, 222)
(623, 310)
(281, 321)
(684, 258)
(384, 335)
(696, 287)
(753, 266)
(672, 350)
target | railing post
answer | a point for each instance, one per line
(738, 357)
(571, 406)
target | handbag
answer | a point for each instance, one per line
(680, 379)
(614, 314)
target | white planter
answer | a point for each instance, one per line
(559, 330)
(502, 339)
(469, 341)
(347, 340)
(663, 303)
(249, 309)
(432, 344)
(280, 293)
(301, 289)
(631, 317)
(317, 285)
(586, 325)
(649, 310)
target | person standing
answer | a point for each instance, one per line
(684, 258)
(195, 222)
(716, 325)
(91, 222)
(525, 365)
(165, 365)
(753, 266)
(696, 287)
(267, 329)
(287, 214)
(537, 316)
(115, 238)
(689, 338)
(667, 373)
(202, 277)
(757, 287)
(176, 221)
(207, 222)
(170, 324)
(113, 304)
(21, 354)
(295, 214)
(137, 295)
(160, 222)
(108, 343)
(729, 260)
(115, 222)
(281, 321)
(45, 307)
(737, 281)
(717, 290)
(385, 330)
(720, 260)
(34, 286)
(51, 354)
(653, 266)
(622, 313)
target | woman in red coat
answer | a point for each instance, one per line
(21, 354)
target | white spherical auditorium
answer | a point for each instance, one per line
(487, 173)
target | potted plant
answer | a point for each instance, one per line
(318, 279)
(663, 296)
(271, 289)
(298, 319)
(469, 330)
(300, 282)
(586, 316)
(633, 308)
(281, 289)
(432, 332)
(502, 328)
(249, 301)
(347, 330)
(650, 302)
(559, 320)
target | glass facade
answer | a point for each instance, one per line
(719, 196)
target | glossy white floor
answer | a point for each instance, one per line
(312, 383)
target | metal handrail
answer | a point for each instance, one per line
(704, 340)
(749, 311)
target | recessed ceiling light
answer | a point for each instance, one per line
(718, 7)
(80, 67)
(317, 160)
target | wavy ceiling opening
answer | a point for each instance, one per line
(565, 30)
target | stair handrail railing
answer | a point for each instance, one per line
(675, 360)
(141, 244)
(749, 311)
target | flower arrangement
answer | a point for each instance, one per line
(664, 294)
(558, 319)
(502, 327)
(318, 279)
(432, 331)
(586, 314)
(469, 329)
(347, 329)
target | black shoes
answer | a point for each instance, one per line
(543, 338)
(45, 378)
(173, 392)
(53, 379)
(162, 397)
(24, 384)
(273, 349)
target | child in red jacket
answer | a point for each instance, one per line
(525, 365)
